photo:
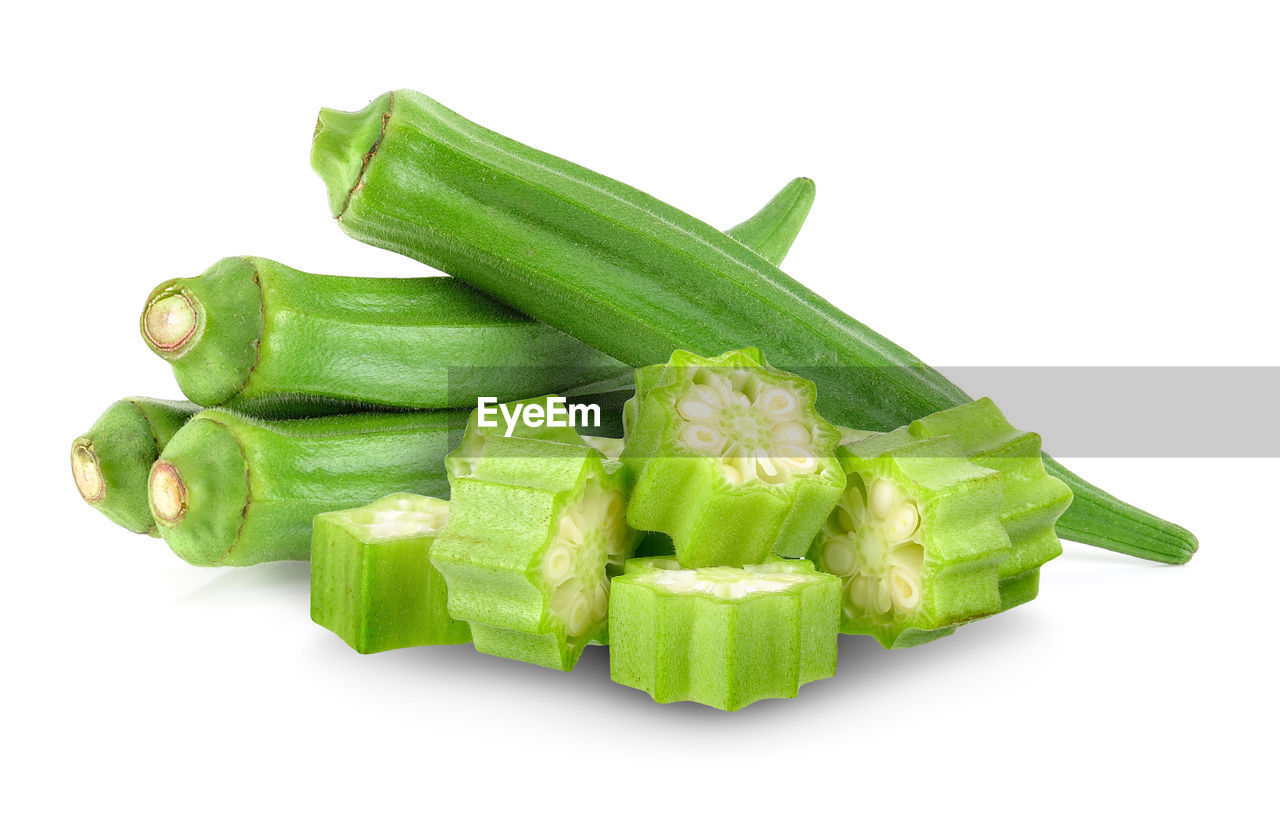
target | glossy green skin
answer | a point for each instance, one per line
(297, 343)
(1032, 501)
(725, 653)
(637, 278)
(504, 514)
(379, 592)
(127, 439)
(682, 493)
(253, 486)
(964, 542)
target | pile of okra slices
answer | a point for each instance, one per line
(577, 438)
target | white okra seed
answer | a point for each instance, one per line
(881, 497)
(695, 410)
(839, 556)
(903, 522)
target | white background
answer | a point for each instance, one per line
(1081, 183)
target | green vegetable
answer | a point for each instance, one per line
(730, 459)
(231, 490)
(1032, 500)
(259, 336)
(372, 582)
(724, 637)
(263, 338)
(916, 539)
(636, 278)
(536, 527)
(110, 462)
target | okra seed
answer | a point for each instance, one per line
(838, 556)
(88, 474)
(170, 322)
(702, 437)
(792, 432)
(167, 492)
(905, 588)
(777, 403)
(881, 497)
(902, 524)
(579, 615)
(557, 563)
(695, 410)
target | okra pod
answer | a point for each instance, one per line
(110, 462)
(637, 278)
(230, 490)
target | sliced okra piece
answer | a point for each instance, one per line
(111, 461)
(916, 539)
(536, 529)
(1033, 500)
(724, 637)
(372, 582)
(731, 460)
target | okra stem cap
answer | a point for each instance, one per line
(170, 321)
(88, 473)
(168, 493)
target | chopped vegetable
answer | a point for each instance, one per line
(915, 538)
(372, 582)
(536, 529)
(730, 459)
(725, 637)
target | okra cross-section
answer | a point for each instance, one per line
(1032, 501)
(916, 539)
(536, 528)
(724, 637)
(730, 459)
(372, 582)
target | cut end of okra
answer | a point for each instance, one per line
(730, 459)
(724, 637)
(536, 530)
(915, 539)
(372, 582)
(87, 472)
(168, 493)
(209, 328)
(170, 321)
(1033, 500)
(112, 461)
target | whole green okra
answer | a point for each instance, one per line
(231, 490)
(636, 278)
(263, 338)
(110, 462)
